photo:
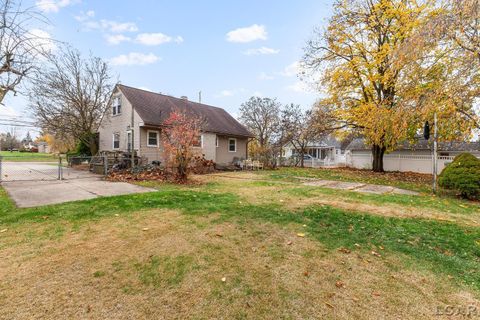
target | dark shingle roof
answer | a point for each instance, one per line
(422, 144)
(154, 109)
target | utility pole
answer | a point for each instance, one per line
(435, 157)
(199, 96)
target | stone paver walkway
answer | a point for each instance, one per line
(359, 187)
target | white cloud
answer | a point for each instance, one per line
(229, 92)
(116, 38)
(265, 76)
(248, 34)
(134, 58)
(257, 94)
(299, 87)
(8, 112)
(153, 39)
(261, 50)
(53, 5)
(110, 26)
(84, 16)
(42, 40)
(291, 70)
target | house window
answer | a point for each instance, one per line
(152, 138)
(116, 140)
(116, 106)
(198, 142)
(232, 145)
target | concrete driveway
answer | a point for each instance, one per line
(35, 184)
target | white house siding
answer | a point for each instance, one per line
(223, 156)
(118, 123)
(157, 153)
(209, 149)
(403, 160)
(151, 153)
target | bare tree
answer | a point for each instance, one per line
(303, 129)
(70, 97)
(20, 44)
(261, 117)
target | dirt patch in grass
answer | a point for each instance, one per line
(163, 265)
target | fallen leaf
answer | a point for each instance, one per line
(357, 245)
(355, 299)
(376, 294)
(376, 254)
(146, 229)
(3, 230)
(340, 284)
(117, 215)
(306, 274)
(301, 234)
(289, 242)
(224, 279)
(329, 305)
(218, 235)
(344, 250)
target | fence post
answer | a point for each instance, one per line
(1, 168)
(60, 170)
(105, 165)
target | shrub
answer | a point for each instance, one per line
(462, 175)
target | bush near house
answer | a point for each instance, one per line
(462, 175)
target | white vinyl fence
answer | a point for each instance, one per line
(399, 162)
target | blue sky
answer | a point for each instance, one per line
(230, 50)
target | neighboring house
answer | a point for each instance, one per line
(43, 147)
(224, 140)
(327, 151)
(416, 157)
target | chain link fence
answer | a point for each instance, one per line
(22, 168)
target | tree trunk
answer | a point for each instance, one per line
(302, 164)
(377, 153)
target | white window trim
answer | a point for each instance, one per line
(113, 140)
(148, 139)
(115, 106)
(216, 141)
(234, 139)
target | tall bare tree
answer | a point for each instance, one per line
(262, 117)
(69, 98)
(303, 129)
(20, 44)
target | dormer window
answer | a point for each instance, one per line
(116, 106)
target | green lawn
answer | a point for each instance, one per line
(416, 182)
(27, 156)
(446, 248)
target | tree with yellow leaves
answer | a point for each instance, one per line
(376, 79)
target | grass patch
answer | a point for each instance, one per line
(164, 271)
(409, 181)
(441, 247)
(448, 205)
(27, 156)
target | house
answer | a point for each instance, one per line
(328, 151)
(414, 157)
(136, 117)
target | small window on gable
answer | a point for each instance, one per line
(152, 138)
(232, 145)
(116, 106)
(198, 142)
(116, 140)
